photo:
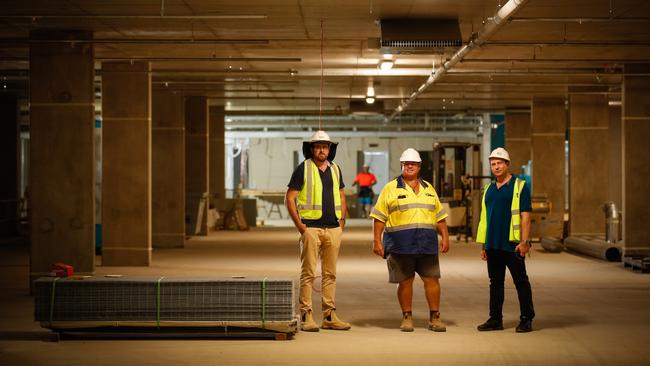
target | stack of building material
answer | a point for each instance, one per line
(65, 303)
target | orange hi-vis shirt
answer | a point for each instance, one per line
(365, 179)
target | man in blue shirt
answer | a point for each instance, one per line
(504, 230)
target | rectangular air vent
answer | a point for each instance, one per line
(420, 35)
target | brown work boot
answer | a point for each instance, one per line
(435, 324)
(331, 321)
(307, 323)
(407, 322)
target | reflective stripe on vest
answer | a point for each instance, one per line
(310, 197)
(515, 217)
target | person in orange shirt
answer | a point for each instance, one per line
(365, 180)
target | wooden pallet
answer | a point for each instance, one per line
(641, 264)
(112, 333)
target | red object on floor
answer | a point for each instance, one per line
(61, 270)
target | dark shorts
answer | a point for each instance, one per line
(404, 266)
(366, 192)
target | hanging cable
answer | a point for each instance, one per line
(320, 98)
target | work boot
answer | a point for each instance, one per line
(491, 324)
(307, 323)
(331, 321)
(525, 325)
(407, 322)
(435, 324)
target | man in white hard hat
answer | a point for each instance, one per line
(503, 230)
(316, 204)
(410, 216)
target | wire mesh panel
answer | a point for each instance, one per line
(166, 299)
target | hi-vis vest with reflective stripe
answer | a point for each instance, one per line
(410, 219)
(310, 197)
(515, 219)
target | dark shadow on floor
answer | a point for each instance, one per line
(394, 322)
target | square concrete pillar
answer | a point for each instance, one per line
(588, 163)
(62, 114)
(217, 152)
(518, 140)
(9, 162)
(636, 160)
(168, 169)
(197, 162)
(548, 132)
(126, 164)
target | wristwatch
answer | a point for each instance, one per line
(528, 242)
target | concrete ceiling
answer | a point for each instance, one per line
(265, 56)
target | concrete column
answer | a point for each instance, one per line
(636, 161)
(126, 164)
(62, 152)
(548, 131)
(9, 163)
(518, 140)
(168, 169)
(197, 170)
(217, 153)
(588, 163)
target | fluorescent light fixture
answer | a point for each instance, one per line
(370, 95)
(386, 62)
(386, 65)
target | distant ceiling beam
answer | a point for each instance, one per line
(556, 60)
(568, 43)
(206, 58)
(35, 17)
(188, 41)
(492, 25)
(578, 20)
(451, 136)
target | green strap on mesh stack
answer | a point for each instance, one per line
(158, 302)
(52, 294)
(263, 302)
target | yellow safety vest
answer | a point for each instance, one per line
(310, 197)
(515, 219)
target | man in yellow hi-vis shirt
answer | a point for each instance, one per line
(410, 216)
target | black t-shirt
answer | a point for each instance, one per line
(328, 220)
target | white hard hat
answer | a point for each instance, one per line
(320, 136)
(500, 153)
(410, 155)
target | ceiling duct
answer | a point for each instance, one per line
(420, 35)
(360, 107)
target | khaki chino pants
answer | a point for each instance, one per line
(315, 243)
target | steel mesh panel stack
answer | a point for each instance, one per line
(167, 299)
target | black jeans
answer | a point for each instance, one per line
(497, 261)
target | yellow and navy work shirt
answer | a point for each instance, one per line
(410, 219)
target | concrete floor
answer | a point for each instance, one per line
(589, 312)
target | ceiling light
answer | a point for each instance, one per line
(370, 95)
(386, 65)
